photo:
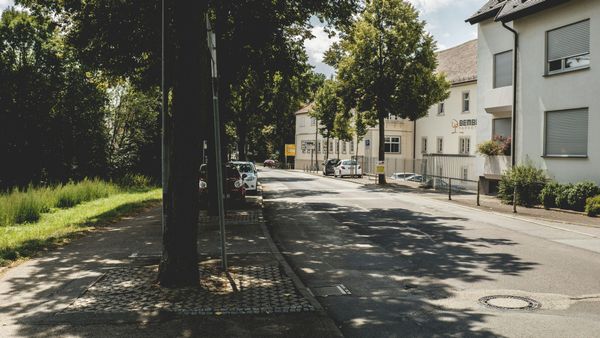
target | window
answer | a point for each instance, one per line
(330, 146)
(465, 101)
(313, 121)
(392, 144)
(301, 121)
(441, 108)
(344, 147)
(303, 146)
(319, 146)
(424, 145)
(337, 147)
(440, 145)
(465, 173)
(501, 127)
(464, 145)
(351, 147)
(503, 66)
(566, 133)
(568, 47)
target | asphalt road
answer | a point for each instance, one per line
(416, 266)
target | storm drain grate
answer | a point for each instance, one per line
(335, 290)
(509, 302)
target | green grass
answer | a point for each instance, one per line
(21, 241)
(27, 205)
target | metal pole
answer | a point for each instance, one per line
(217, 130)
(163, 148)
(450, 188)
(478, 191)
(515, 199)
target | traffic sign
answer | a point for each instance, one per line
(290, 150)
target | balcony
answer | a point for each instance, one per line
(495, 166)
(498, 100)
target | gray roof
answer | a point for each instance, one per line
(508, 10)
(459, 63)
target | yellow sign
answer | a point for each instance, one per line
(381, 168)
(290, 150)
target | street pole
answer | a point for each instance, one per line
(165, 102)
(217, 132)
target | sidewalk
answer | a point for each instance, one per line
(487, 203)
(104, 285)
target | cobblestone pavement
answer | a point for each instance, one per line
(260, 289)
(234, 216)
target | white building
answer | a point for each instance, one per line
(448, 134)
(399, 144)
(557, 101)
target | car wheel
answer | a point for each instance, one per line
(359, 176)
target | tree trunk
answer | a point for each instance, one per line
(327, 147)
(179, 261)
(381, 179)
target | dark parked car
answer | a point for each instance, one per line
(233, 185)
(270, 163)
(329, 166)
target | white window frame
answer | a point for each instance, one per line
(464, 145)
(424, 145)
(351, 147)
(563, 60)
(389, 140)
(441, 109)
(301, 121)
(344, 147)
(439, 145)
(313, 121)
(466, 103)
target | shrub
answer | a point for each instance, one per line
(562, 196)
(579, 193)
(592, 206)
(549, 193)
(135, 182)
(25, 206)
(529, 182)
(490, 148)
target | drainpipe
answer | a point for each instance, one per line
(414, 146)
(513, 143)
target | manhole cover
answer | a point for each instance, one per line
(507, 302)
(335, 290)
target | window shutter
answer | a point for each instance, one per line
(503, 65)
(567, 132)
(569, 41)
(502, 127)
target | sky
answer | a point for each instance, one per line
(445, 21)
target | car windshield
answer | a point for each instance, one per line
(245, 167)
(349, 162)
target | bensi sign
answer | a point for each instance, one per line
(463, 124)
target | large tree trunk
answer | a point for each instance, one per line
(179, 262)
(381, 179)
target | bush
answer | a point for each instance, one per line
(490, 148)
(592, 206)
(135, 182)
(562, 196)
(579, 193)
(549, 193)
(529, 182)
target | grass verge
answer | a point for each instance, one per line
(24, 240)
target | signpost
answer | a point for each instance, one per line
(290, 150)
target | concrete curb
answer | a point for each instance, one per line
(303, 289)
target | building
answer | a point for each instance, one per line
(399, 144)
(447, 136)
(557, 101)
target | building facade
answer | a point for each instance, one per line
(557, 101)
(311, 145)
(448, 134)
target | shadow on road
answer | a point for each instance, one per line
(395, 262)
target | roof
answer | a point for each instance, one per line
(306, 109)
(459, 63)
(508, 10)
(489, 10)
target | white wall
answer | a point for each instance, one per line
(433, 125)
(539, 93)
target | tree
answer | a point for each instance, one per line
(387, 65)
(327, 106)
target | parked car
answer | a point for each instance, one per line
(329, 166)
(233, 185)
(401, 176)
(249, 175)
(270, 163)
(415, 178)
(440, 184)
(347, 168)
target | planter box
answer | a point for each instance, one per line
(495, 166)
